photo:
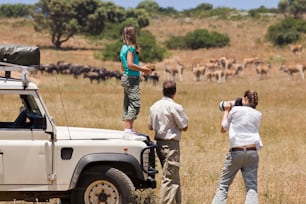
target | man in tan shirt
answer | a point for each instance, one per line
(168, 118)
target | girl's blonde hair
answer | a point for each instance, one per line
(129, 35)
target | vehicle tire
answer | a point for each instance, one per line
(103, 185)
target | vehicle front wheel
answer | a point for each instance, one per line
(103, 185)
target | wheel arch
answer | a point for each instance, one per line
(123, 162)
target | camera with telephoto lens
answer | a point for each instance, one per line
(226, 104)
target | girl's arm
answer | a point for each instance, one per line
(132, 65)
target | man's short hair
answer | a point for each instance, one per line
(169, 88)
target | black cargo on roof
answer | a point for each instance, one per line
(20, 54)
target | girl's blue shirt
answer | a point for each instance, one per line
(123, 57)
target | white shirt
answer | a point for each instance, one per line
(167, 119)
(243, 124)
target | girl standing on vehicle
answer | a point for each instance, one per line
(131, 78)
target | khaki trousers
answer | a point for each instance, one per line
(168, 152)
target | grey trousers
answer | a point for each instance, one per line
(247, 162)
(169, 155)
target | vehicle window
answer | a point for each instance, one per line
(18, 111)
(10, 107)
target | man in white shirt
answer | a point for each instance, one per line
(168, 118)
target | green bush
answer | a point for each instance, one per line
(218, 39)
(197, 39)
(287, 31)
(301, 25)
(175, 42)
(150, 50)
(222, 12)
(15, 10)
(206, 10)
(110, 52)
(262, 9)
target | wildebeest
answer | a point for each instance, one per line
(152, 78)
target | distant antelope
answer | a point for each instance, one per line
(238, 69)
(213, 60)
(211, 66)
(296, 49)
(219, 75)
(173, 70)
(233, 71)
(262, 70)
(251, 60)
(228, 72)
(209, 74)
(197, 71)
(226, 63)
(291, 69)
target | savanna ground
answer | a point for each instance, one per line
(282, 175)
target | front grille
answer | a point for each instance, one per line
(147, 159)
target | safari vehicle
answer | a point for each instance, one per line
(41, 161)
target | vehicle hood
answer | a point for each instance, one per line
(77, 133)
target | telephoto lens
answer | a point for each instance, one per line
(225, 104)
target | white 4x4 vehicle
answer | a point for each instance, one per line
(40, 161)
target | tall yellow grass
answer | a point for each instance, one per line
(282, 175)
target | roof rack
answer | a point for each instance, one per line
(9, 67)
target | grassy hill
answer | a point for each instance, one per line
(282, 175)
(246, 35)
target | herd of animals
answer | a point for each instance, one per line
(97, 74)
(216, 69)
(220, 69)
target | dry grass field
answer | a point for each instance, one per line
(282, 175)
